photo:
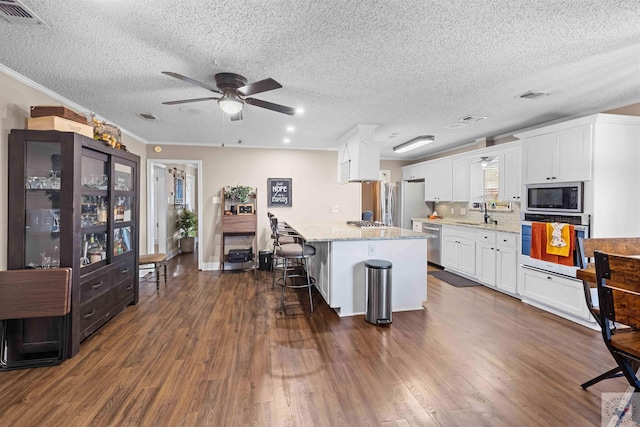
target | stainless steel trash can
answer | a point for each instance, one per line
(378, 291)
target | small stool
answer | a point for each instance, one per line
(157, 260)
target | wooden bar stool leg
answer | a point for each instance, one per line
(165, 272)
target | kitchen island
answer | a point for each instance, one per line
(341, 252)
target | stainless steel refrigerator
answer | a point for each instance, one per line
(395, 203)
(401, 201)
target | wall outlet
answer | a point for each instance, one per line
(335, 209)
(453, 211)
(372, 250)
(463, 211)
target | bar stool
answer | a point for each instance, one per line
(293, 259)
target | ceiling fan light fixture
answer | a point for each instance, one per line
(414, 143)
(484, 162)
(230, 104)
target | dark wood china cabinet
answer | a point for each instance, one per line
(73, 202)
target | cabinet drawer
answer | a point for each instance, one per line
(507, 240)
(486, 237)
(558, 292)
(124, 290)
(124, 270)
(95, 313)
(95, 283)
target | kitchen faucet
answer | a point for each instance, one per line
(487, 218)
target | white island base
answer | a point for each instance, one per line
(338, 267)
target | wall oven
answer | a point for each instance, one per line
(580, 223)
(560, 197)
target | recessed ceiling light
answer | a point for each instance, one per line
(290, 128)
(456, 125)
(299, 110)
(286, 140)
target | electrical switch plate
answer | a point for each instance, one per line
(463, 211)
(453, 211)
(216, 200)
(372, 250)
(334, 209)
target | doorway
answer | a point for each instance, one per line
(161, 201)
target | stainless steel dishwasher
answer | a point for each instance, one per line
(434, 244)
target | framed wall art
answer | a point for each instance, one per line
(279, 192)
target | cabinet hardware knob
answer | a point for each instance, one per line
(549, 278)
(548, 178)
(88, 315)
(97, 285)
(553, 177)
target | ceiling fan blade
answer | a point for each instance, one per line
(189, 80)
(236, 117)
(271, 106)
(184, 101)
(257, 87)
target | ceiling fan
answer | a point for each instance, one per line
(235, 93)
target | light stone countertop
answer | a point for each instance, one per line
(506, 228)
(325, 231)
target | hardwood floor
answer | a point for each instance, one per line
(209, 349)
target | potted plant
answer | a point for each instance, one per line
(239, 193)
(187, 224)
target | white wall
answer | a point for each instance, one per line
(314, 186)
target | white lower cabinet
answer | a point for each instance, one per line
(562, 293)
(498, 260)
(459, 250)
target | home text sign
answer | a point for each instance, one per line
(279, 192)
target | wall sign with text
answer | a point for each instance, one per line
(279, 191)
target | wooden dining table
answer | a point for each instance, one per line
(589, 274)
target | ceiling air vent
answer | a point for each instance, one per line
(533, 94)
(472, 119)
(147, 116)
(16, 12)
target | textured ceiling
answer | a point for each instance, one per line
(410, 67)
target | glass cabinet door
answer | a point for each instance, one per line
(123, 207)
(95, 215)
(42, 205)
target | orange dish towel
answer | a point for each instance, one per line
(558, 239)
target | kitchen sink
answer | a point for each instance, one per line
(470, 223)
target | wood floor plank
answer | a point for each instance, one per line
(210, 348)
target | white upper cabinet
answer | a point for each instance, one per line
(438, 185)
(414, 172)
(510, 187)
(461, 180)
(559, 156)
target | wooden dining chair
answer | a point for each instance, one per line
(618, 281)
(586, 251)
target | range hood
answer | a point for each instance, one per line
(358, 158)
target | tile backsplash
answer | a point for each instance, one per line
(503, 217)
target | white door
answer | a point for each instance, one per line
(189, 193)
(159, 210)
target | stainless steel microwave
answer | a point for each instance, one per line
(555, 197)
